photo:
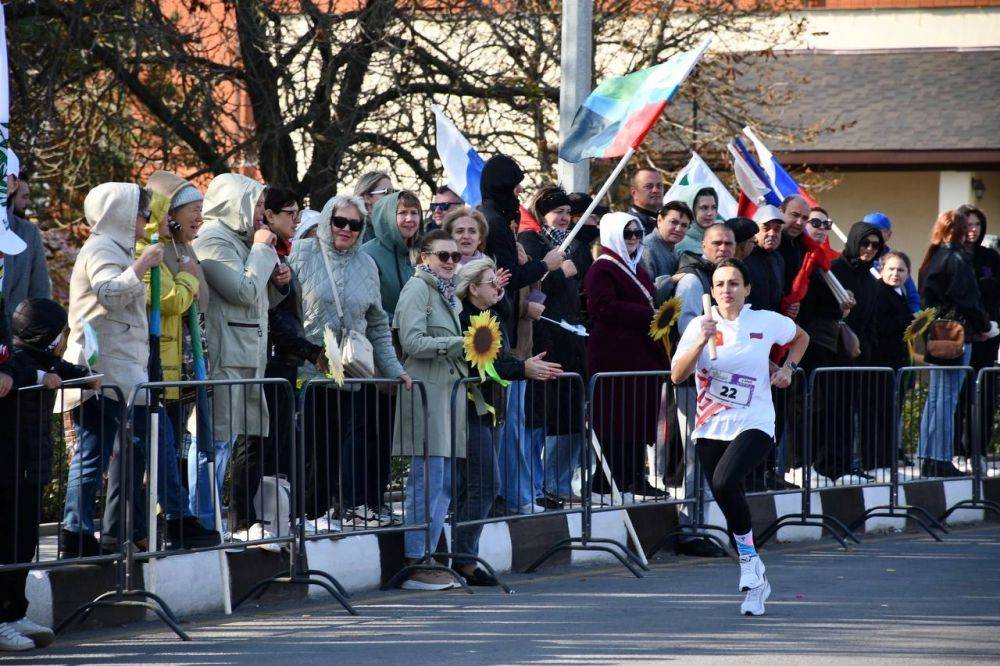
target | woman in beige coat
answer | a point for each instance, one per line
(431, 339)
(238, 264)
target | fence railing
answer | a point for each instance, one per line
(325, 462)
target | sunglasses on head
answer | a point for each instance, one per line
(341, 222)
(445, 257)
(384, 191)
(817, 223)
(442, 205)
(630, 234)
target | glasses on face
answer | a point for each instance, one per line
(294, 212)
(817, 223)
(444, 257)
(341, 222)
(493, 282)
(383, 191)
(869, 244)
(631, 234)
(441, 206)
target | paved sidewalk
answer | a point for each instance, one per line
(899, 598)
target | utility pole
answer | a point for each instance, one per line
(575, 83)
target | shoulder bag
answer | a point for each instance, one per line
(356, 351)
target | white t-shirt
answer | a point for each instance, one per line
(734, 391)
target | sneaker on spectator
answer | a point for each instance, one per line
(75, 544)
(188, 533)
(12, 640)
(387, 517)
(256, 532)
(360, 516)
(429, 580)
(478, 578)
(40, 635)
(530, 508)
(550, 501)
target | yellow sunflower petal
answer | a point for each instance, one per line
(481, 341)
(665, 318)
(920, 322)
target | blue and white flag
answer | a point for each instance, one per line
(462, 164)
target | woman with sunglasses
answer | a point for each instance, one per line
(430, 335)
(621, 304)
(734, 426)
(372, 186)
(346, 462)
(481, 288)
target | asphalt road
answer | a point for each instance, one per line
(894, 598)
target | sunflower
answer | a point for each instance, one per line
(482, 345)
(664, 319)
(917, 328)
(333, 356)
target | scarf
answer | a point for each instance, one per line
(556, 235)
(612, 237)
(283, 248)
(445, 287)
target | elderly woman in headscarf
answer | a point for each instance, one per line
(620, 300)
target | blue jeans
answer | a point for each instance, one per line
(520, 453)
(97, 422)
(200, 501)
(562, 459)
(478, 482)
(937, 423)
(169, 488)
(437, 484)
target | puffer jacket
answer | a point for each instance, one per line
(105, 292)
(237, 272)
(390, 252)
(357, 282)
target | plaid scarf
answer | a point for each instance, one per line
(556, 235)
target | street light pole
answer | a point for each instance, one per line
(577, 69)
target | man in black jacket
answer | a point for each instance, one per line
(646, 190)
(26, 447)
(795, 211)
(765, 263)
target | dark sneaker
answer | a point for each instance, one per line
(478, 578)
(75, 544)
(189, 533)
(774, 481)
(700, 548)
(550, 502)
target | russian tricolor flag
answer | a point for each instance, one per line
(621, 111)
(780, 180)
(462, 164)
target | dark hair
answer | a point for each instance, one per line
(898, 255)
(965, 210)
(819, 209)
(408, 198)
(706, 192)
(432, 236)
(678, 206)
(444, 189)
(738, 265)
(276, 198)
(145, 199)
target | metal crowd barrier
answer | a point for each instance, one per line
(983, 446)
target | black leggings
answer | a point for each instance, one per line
(726, 465)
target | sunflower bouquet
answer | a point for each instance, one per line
(914, 333)
(482, 346)
(664, 319)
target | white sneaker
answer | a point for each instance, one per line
(751, 572)
(754, 602)
(40, 635)
(12, 640)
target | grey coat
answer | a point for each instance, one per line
(660, 261)
(431, 337)
(358, 287)
(237, 272)
(26, 274)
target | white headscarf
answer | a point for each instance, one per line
(612, 230)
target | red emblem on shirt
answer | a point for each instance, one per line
(718, 339)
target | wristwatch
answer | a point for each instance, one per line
(792, 366)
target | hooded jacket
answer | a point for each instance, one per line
(357, 280)
(237, 272)
(695, 233)
(390, 252)
(500, 206)
(690, 289)
(178, 290)
(855, 275)
(105, 291)
(986, 264)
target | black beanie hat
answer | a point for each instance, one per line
(37, 322)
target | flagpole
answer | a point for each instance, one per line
(597, 198)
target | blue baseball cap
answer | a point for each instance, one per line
(877, 219)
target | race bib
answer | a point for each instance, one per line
(730, 389)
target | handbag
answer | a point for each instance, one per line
(356, 351)
(945, 339)
(850, 346)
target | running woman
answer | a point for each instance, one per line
(734, 423)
